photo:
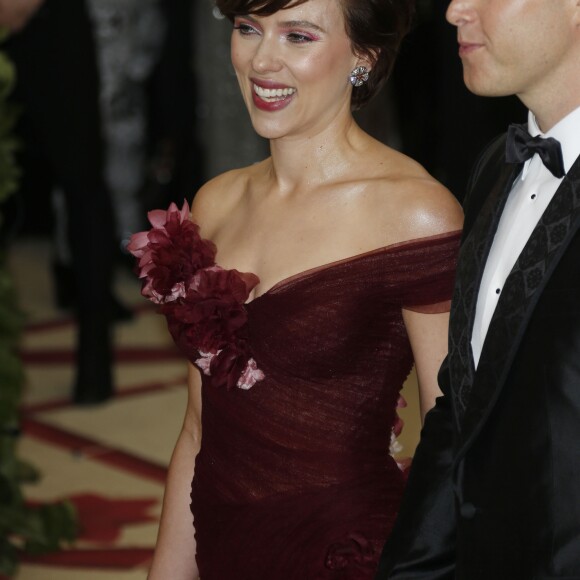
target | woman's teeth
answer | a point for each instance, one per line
(271, 95)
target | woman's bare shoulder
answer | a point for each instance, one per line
(219, 197)
(429, 208)
(406, 198)
(217, 193)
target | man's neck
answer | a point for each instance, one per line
(546, 120)
(553, 101)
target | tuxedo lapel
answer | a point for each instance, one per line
(521, 292)
(471, 262)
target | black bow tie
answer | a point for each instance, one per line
(521, 146)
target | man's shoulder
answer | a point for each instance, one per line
(484, 173)
(492, 154)
(491, 159)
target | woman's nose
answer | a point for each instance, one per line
(267, 57)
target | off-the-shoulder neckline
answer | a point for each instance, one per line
(350, 259)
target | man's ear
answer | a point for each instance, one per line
(576, 13)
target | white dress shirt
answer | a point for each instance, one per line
(531, 193)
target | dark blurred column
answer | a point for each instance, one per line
(176, 167)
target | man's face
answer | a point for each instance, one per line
(521, 47)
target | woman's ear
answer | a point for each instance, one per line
(368, 60)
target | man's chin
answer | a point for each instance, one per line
(484, 88)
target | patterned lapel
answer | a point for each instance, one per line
(471, 262)
(520, 295)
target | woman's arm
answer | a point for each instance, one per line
(174, 556)
(428, 338)
(430, 211)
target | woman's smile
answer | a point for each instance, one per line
(270, 96)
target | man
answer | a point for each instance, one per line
(52, 47)
(494, 492)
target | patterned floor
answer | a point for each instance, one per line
(111, 459)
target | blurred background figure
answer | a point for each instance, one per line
(60, 130)
(175, 166)
(223, 125)
(129, 36)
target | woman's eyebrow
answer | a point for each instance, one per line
(301, 24)
(290, 23)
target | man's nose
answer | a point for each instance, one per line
(460, 12)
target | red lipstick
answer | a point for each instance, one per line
(277, 102)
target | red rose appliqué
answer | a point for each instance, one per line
(203, 303)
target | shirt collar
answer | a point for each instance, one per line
(567, 131)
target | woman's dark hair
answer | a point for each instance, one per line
(375, 28)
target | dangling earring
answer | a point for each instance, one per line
(359, 76)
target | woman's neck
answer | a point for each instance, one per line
(302, 163)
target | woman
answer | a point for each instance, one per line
(347, 249)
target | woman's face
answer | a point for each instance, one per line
(293, 68)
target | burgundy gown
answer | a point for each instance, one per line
(294, 479)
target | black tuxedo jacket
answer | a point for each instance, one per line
(494, 491)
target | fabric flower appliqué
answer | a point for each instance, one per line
(203, 303)
(353, 554)
(396, 447)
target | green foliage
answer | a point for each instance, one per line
(8, 169)
(23, 528)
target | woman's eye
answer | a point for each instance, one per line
(245, 29)
(299, 38)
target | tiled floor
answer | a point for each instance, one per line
(111, 457)
(116, 452)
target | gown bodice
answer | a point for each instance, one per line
(294, 479)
